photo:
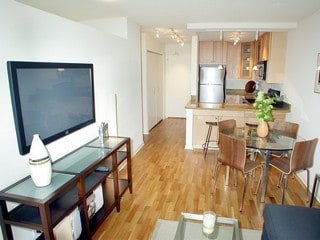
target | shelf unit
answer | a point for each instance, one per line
(247, 53)
(74, 179)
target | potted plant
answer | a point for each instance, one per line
(262, 109)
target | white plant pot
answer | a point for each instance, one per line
(39, 163)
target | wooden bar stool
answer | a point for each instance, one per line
(205, 146)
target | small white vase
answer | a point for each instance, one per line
(39, 163)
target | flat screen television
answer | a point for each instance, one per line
(50, 99)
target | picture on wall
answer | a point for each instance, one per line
(317, 80)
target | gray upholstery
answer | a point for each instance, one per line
(290, 222)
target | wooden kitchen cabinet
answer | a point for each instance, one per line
(212, 52)
(200, 127)
(277, 57)
(247, 58)
(205, 52)
(263, 46)
(233, 60)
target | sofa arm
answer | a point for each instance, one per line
(290, 222)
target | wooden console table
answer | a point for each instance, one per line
(74, 178)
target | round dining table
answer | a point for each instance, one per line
(276, 141)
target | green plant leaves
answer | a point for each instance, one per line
(263, 107)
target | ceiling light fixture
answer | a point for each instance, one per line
(176, 36)
(236, 40)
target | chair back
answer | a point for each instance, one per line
(302, 155)
(226, 124)
(232, 152)
(288, 129)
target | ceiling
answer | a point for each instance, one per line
(207, 18)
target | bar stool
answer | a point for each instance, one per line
(205, 146)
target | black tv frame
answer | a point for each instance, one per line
(13, 66)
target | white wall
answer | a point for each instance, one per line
(303, 47)
(28, 34)
(177, 79)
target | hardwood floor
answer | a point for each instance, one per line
(168, 180)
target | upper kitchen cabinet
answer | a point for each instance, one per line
(277, 57)
(263, 46)
(247, 59)
(233, 60)
(212, 52)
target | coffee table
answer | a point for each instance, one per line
(190, 227)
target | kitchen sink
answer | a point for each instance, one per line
(238, 100)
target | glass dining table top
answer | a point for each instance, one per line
(275, 141)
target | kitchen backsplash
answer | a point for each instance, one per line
(241, 83)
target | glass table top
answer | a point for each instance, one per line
(27, 187)
(108, 142)
(190, 228)
(79, 160)
(275, 140)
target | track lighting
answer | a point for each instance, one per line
(176, 36)
(171, 33)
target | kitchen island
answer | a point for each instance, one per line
(196, 118)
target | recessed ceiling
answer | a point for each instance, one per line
(167, 14)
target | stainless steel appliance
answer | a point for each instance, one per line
(211, 85)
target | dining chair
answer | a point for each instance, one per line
(224, 125)
(252, 152)
(289, 129)
(301, 158)
(232, 153)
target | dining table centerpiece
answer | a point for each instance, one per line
(262, 109)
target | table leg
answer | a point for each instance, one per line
(227, 175)
(316, 179)
(264, 182)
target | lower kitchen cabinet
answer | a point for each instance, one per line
(201, 116)
(88, 180)
(200, 128)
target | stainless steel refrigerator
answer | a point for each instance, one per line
(211, 85)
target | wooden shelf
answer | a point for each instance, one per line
(78, 180)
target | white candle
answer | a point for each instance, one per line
(209, 219)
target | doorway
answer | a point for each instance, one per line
(154, 89)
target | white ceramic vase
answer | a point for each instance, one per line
(39, 163)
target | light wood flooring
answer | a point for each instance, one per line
(168, 180)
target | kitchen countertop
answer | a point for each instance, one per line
(193, 104)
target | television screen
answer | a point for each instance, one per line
(50, 99)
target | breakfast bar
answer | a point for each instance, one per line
(242, 112)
